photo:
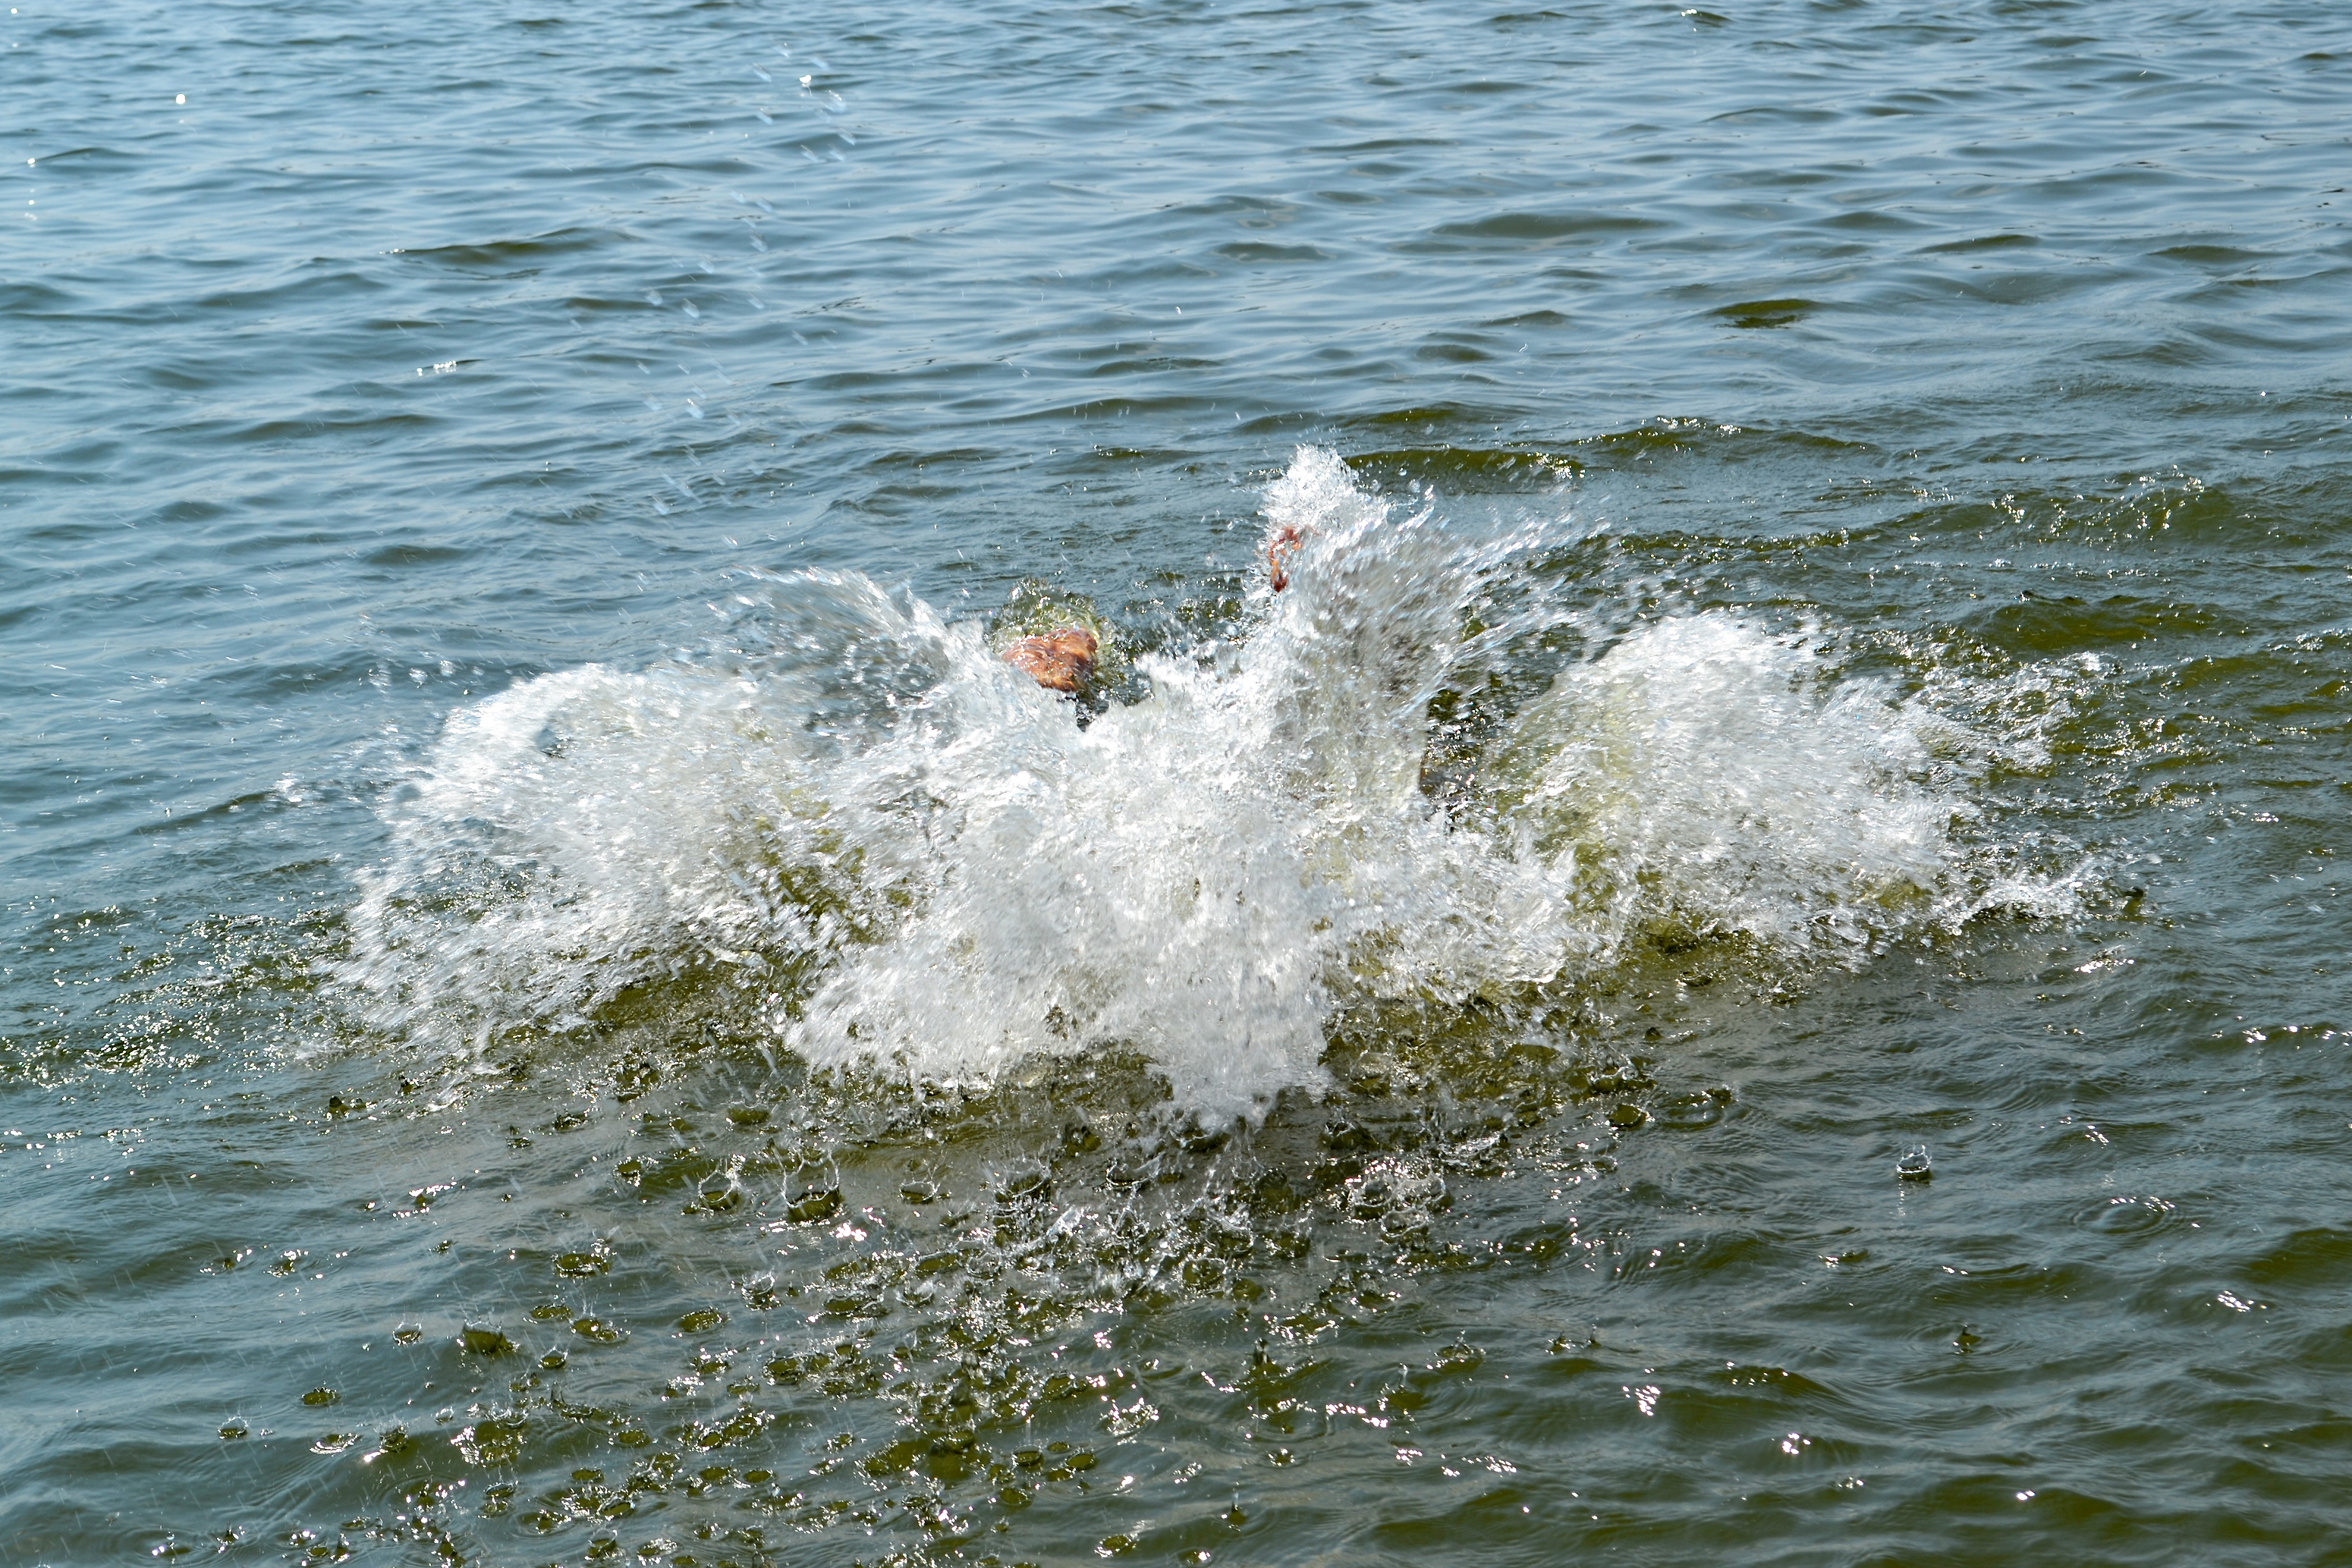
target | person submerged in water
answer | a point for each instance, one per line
(1063, 659)
(1059, 661)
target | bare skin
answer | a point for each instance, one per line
(1059, 661)
(1278, 552)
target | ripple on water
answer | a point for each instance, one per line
(1863, 487)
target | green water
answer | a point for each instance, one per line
(560, 1008)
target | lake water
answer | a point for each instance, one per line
(562, 1005)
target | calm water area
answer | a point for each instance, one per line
(1746, 967)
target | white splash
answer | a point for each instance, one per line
(905, 853)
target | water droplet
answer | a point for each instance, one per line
(483, 1339)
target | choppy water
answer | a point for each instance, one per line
(560, 1004)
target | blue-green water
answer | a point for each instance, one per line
(562, 1006)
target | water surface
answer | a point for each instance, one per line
(562, 1006)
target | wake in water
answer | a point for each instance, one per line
(883, 845)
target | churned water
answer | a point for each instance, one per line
(1746, 966)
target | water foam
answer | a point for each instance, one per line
(877, 844)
